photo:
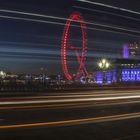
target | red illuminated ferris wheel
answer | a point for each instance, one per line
(65, 46)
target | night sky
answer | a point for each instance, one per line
(31, 44)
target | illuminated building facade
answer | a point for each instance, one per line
(125, 51)
(125, 71)
(108, 76)
(133, 49)
(130, 50)
(131, 74)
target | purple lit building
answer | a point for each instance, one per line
(130, 50)
(108, 76)
(125, 51)
(124, 71)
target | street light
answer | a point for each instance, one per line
(2, 74)
(107, 65)
(104, 65)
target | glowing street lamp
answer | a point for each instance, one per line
(104, 65)
(100, 65)
(2, 74)
(107, 65)
(103, 61)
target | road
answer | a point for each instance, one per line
(108, 114)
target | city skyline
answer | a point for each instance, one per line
(28, 44)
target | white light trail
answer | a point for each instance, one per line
(110, 6)
(71, 100)
(113, 27)
(105, 12)
(25, 44)
(90, 28)
(31, 14)
(60, 18)
(73, 95)
(29, 19)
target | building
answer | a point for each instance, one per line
(124, 71)
(130, 50)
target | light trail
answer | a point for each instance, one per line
(60, 18)
(33, 20)
(59, 23)
(32, 14)
(110, 6)
(71, 105)
(113, 27)
(71, 100)
(75, 121)
(105, 12)
(73, 95)
(27, 44)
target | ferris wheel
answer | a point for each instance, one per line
(66, 46)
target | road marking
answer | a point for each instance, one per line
(75, 121)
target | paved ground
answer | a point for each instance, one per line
(83, 115)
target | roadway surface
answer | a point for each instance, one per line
(108, 114)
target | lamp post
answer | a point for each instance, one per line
(104, 65)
